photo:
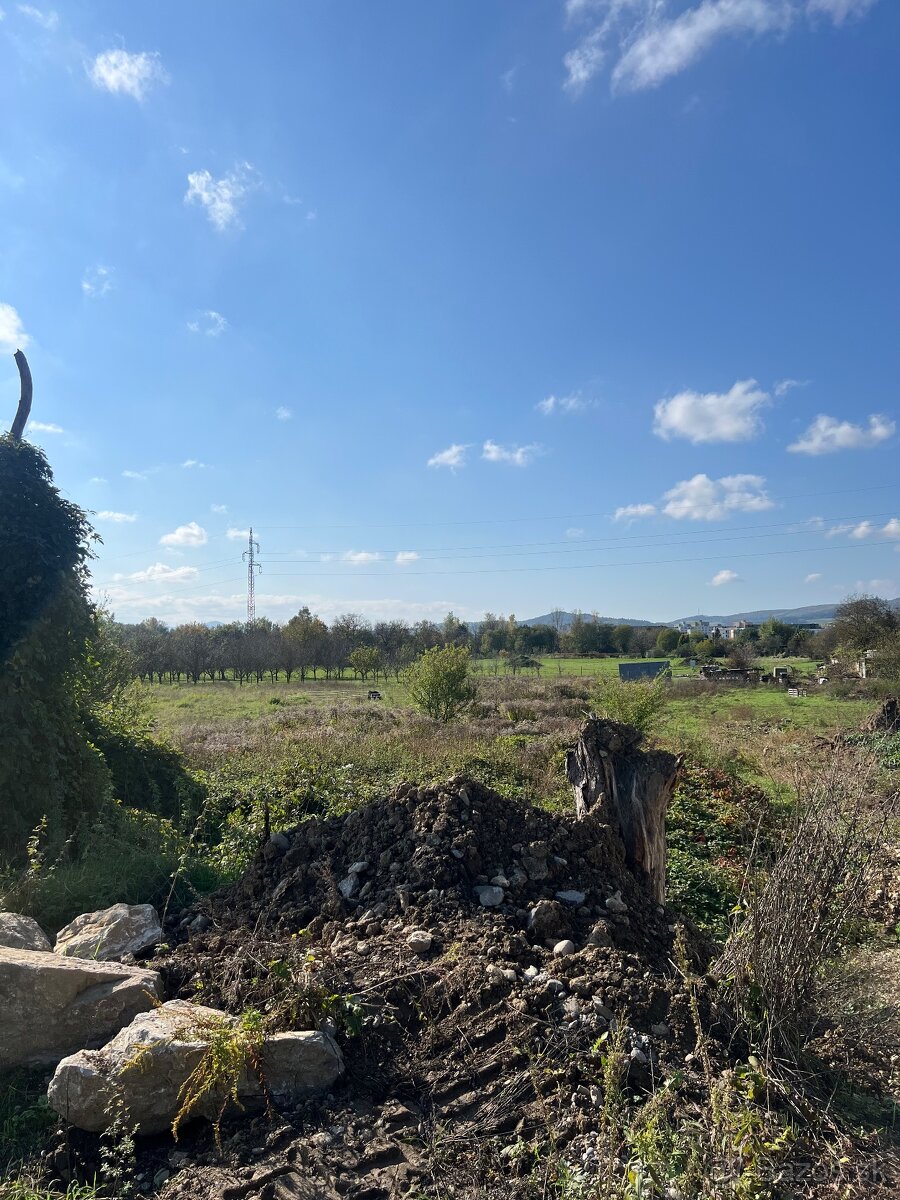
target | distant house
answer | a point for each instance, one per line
(730, 632)
(644, 670)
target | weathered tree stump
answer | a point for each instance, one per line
(25, 393)
(633, 787)
(887, 719)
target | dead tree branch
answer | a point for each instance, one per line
(24, 410)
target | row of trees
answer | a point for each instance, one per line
(306, 647)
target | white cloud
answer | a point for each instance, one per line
(814, 577)
(454, 456)
(826, 435)
(12, 333)
(282, 413)
(731, 416)
(783, 386)
(44, 427)
(134, 475)
(562, 404)
(238, 535)
(117, 518)
(210, 323)
(865, 529)
(406, 557)
(97, 479)
(725, 576)
(664, 48)
(191, 534)
(631, 512)
(133, 75)
(360, 558)
(575, 535)
(649, 44)
(884, 587)
(97, 282)
(517, 456)
(191, 464)
(839, 10)
(705, 499)
(218, 508)
(161, 573)
(48, 20)
(221, 198)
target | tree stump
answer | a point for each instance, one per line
(887, 719)
(633, 787)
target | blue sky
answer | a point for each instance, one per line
(468, 304)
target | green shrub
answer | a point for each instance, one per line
(439, 683)
(639, 703)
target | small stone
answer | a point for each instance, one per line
(200, 924)
(500, 881)
(509, 973)
(349, 885)
(571, 897)
(531, 973)
(638, 1056)
(160, 1178)
(601, 1010)
(566, 946)
(22, 933)
(615, 903)
(362, 948)
(280, 841)
(359, 868)
(489, 896)
(419, 941)
(660, 1030)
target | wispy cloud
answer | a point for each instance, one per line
(209, 322)
(133, 75)
(783, 386)
(632, 512)
(193, 464)
(97, 282)
(97, 479)
(574, 535)
(12, 332)
(46, 18)
(406, 557)
(703, 499)
(191, 534)
(813, 577)
(563, 404)
(647, 43)
(516, 456)
(827, 435)
(222, 198)
(218, 508)
(732, 416)
(724, 576)
(453, 457)
(238, 535)
(282, 413)
(360, 558)
(44, 427)
(117, 518)
(134, 475)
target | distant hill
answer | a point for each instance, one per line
(566, 619)
(818, 613)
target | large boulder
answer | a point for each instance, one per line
(22, 933)
(51, 1006)
(147, 1065)
(111, 933)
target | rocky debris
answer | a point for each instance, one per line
(563, 948)
(616, 905)
(22, 933)
(419, 941)
(52, 1006)
(576, 899)
(489, 895)
(147, 1064)
(548, 922)
(111, 933)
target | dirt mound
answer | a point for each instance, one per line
(486, 944)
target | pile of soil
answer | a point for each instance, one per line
(490, 950)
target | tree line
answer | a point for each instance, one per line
(306, 647)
